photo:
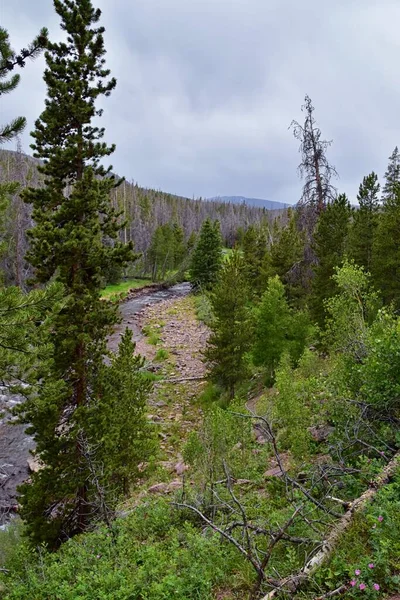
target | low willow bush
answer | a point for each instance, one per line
(153, 554)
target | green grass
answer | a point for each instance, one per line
(152, 332)
(161, 354)
(122, 289)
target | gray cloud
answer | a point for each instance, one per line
(207, 88)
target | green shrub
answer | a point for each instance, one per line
(153, 554)
(210, 395)
(10, 539)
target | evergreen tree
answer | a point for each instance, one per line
(285, 257)
(191, 243)
(386, 251)
(72, 215)
(179, 245)
(24, 318)
(239, 237)
(167, 250)
(161, 251)
(207, 256)
(254, 249)
(278, 328)
(392, 176)
(365, 222)
(119, 421)
(330, 238)
(230, 337)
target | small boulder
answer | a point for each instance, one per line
(320, 433)
(180, 468)
(158, 488)
(176, 484)
(34, 464)
(274, 472)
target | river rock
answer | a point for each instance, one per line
(34, 464)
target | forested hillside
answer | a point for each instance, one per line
(268, 204)
(232, 436)
(149, 216)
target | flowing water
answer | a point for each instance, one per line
(15, 444)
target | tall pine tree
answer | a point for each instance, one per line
(254, 250)
(392, 176)
(315, 168)
(365, 222)
(386, 250)
(73, 217)
(207, 256)
(329, 245)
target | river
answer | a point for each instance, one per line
(15, 444)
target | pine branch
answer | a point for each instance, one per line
(10, 59)
(13, 129)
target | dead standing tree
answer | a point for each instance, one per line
(314, 168)
(318, 191)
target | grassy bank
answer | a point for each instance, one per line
(122, 289)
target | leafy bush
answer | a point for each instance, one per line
(152, 554)
(210, 395)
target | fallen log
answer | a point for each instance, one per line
(181, 379)
(340, 590)
(293, 582)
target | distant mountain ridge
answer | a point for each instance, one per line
(258, 202)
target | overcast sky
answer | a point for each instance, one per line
(207, 88)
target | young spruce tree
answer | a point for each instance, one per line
(285, 258)
(230, 337)
(278, 329)
(73, 216)
(206, 256)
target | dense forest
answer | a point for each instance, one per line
(246, 445)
